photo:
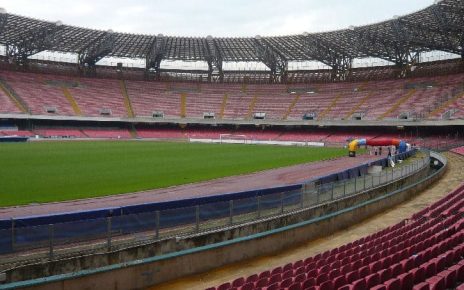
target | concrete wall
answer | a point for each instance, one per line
(197, 254)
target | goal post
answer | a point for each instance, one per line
(233, 138)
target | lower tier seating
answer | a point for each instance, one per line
(423, 252)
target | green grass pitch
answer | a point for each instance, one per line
(37, 172)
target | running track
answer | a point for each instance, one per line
(264, 179)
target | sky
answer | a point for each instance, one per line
(233, 18)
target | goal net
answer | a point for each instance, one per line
(233, 138)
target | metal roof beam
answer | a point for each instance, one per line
(272, 59)
(440, 12)
(425, 36)
(338, 60)
(32, 42)
(3, 19)
(155, 55)
(214, 59)
(95, 51)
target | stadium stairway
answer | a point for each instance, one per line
(223, 106)
(251, 107)
(183, 105)
(83, 133)
(398, 103)
(15, 98)
(329, 108)
(290, 108)
(72, 101)
(127, 100)
(358, 105)
(445, 105)
(451, 180)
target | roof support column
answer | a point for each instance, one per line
(154, 57)
(214, 59)
(341, 68)
(94, 52)
(405, 62)
(277, 63)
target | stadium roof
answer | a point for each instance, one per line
(399, 40)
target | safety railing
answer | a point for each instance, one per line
(132, 228)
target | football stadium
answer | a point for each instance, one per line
(323, 160)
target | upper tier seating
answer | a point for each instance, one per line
(37, 94)
(421, 97)
(424, 252)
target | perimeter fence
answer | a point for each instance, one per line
(188, 218)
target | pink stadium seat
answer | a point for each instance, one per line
(286, 283)
(276, 270)
(298, 264)
(238, 282)
(265, 274)
(224, 286)
(373, 280)
(430, 268)
(450, 277)
(334, 273)
(299, 270)
(418, 274)
(359, 284)
(422, 286)
(288, 267)
(300, 278)
(327, 285)
(294, 286)
(406, 280)
(396, 270)
(275, 278)
(437, 283)
(287, 274)
(312, 273)
(262, 282)
(309, 282)
(274, 286)
(419, 254)
(339, 281)
(247, 286)
(251, 279)
(364, 271)
(322, 278)
(393, 284)
(379, 287)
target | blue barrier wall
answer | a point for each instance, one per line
(177, 204)
(37, 231)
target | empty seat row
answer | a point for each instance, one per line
(425, 251)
